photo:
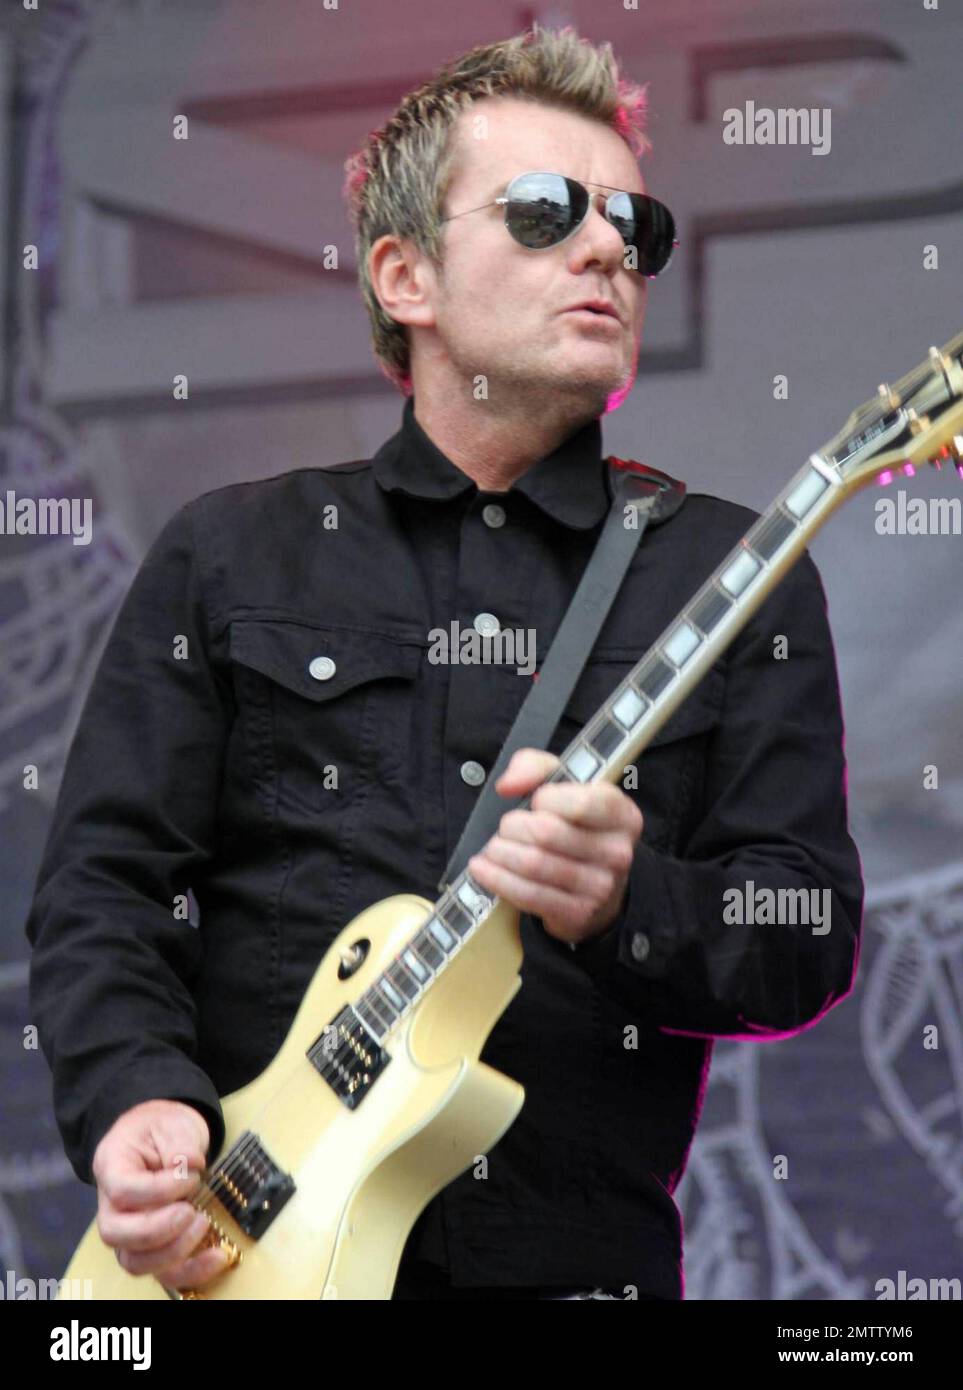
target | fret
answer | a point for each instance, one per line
(428, 950)
(473, 897)
(454, 915)
(740, 573)
(446, 941)
(629, 707)
(352, 1009)
(604, 736)
(415, 964)
(769, 534)
(655, 675)
(376, 1013)
(395, 1000)
(804, 494)
(560, 774)
(402, 980)
(709, 607)
(681, 643)
(583, 764)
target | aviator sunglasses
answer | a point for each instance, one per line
(543, 210)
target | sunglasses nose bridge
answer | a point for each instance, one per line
(597, 199)
(589, 199)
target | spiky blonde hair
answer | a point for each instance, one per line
(395, 183)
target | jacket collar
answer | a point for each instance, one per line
(568, 484)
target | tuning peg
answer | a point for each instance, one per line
(887, 394)
(940, 359)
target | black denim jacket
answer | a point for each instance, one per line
(202, 761)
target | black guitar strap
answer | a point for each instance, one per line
(653, 497)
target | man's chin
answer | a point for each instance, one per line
(595, 388)
(590, 388)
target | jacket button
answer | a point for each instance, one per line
(640, 946)
(322, 668)
(487, 624)
(473, 773)
(493, 514)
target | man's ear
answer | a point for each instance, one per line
(403, 280)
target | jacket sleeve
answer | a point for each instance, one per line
(696, 947)
(112, 957)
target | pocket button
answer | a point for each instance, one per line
(322, 668)
(640, 946)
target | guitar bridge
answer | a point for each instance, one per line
(250, 1186)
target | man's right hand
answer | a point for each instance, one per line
(147, 1167)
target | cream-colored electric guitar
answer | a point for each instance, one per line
(377, 1099)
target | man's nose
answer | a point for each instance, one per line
(597, 203)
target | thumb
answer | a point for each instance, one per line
(527, 768)
(180, 1135)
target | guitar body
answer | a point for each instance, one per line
(362, 1176)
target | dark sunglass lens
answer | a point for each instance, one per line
(648, 226)
(542, 209)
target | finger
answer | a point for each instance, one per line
(144, 1230)
(129, 1186)
(561, 906)
(179, 1143)
(198, 1270)
(609, 849)
(166, 1256)
(599, 806)
(527, 767)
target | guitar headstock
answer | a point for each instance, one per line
(916, 421)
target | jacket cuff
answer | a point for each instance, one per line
(191, 1086)
(639, 940)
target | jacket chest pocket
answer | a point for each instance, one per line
(331, 707)
(666, 778)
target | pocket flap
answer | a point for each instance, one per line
(701, 711)
(320, 663)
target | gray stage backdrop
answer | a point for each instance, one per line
(826, 1163)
